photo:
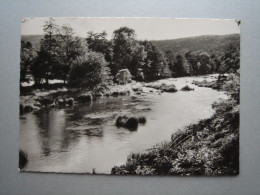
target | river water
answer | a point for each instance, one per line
(84, 137)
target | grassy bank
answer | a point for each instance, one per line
(210, 147)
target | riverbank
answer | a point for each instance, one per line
(57, 95)
(210, 147)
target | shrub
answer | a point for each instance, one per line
(89, 72)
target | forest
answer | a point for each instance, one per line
(93, 62)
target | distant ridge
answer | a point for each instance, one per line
(208, 43)
(34, 39)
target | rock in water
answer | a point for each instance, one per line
(142, 120)
(169, 88)
(132, 123)
(187, 88)
(127, 122)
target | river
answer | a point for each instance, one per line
(84, 137)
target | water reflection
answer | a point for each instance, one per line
(84, 137)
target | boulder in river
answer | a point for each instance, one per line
(187, 88)
(169, 88)
(130, 122)
(142, 120)
(127, 122)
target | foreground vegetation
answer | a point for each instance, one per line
(210, 147)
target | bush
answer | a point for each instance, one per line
(232, 86)
(89, 72)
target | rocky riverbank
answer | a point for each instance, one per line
(63, 97)
(58, 96)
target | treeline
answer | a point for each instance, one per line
(201, 63)
(95, 61)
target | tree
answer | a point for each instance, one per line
(179, 69)
(137, 62)
(170, 57)
(47, 57)
(89, 72)
(59, 50)
(27, 57)
(124, 45)
(70, 50)
(192, 59)
(205, 62)
(97, 42)
(154, 63)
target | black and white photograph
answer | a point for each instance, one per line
(130, 96)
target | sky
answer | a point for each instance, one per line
(145, 28)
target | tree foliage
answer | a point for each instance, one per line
(154, 62)
(97, 42)
(27, 56)
(46, 59)
(62, 55)
(89, 72)
(124, 47)
(58, 51)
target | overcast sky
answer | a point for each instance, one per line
(145, 28)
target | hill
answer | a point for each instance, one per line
(34, 39)
(208, 43)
